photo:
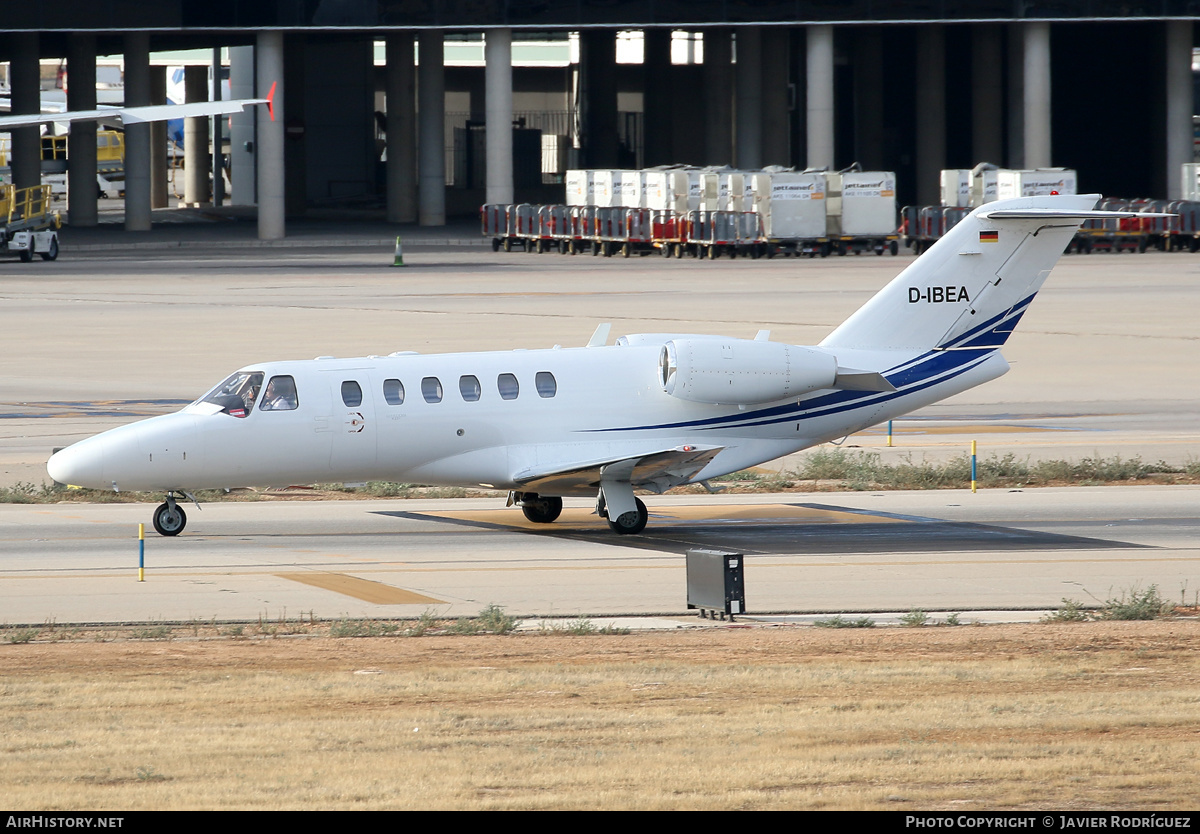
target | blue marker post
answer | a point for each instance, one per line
(889, 432)
(141, 553)
(972, 466)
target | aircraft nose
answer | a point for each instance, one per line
(78, 465)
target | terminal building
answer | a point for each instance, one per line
(432, 108)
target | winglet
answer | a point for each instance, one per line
(271, 101)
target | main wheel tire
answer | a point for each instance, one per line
(168, 522)
(27, 254)
(495, 244)
(52, 254)
(507, 244)
(631, 523)
(543, 510)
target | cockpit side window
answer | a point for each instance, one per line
(236, 395)
(280, 395)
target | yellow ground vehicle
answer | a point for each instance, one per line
(28, 227)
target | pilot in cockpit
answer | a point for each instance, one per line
(280, 394)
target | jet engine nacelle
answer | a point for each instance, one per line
(742, 372)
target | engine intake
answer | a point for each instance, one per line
(741, 371)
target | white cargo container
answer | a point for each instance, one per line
(628, 186)
(579, 188)
(983, 187)
(956, 187)
(1191, 181)
(603, 188)
(792, 205)
(1038, 182)
(867, 207)
(685, 189)
(656, 192)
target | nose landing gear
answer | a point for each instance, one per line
(169, 518)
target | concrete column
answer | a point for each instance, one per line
(1037, 95)
(819, 97)
(158, 141)
(137, 136)
(25, 75)
(195, 138)
(598, 91)
(270, 164)
(776, 136)
(718, 99)
(657, 98)
(1016, 97)
(82, 191)
(241, 133)
(747, 80)
(431, 104)
(498, 99)
(868, 98)
(1179, 104)
(931, 112)
(401, 130)
(987, 94)
(218, 134)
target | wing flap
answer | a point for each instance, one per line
(657, 471)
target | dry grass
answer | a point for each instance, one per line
(1081, 716)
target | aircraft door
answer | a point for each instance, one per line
(354, 456)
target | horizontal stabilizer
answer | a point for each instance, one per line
(1059, 214)
(657, 471)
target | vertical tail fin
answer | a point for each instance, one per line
(970, 288)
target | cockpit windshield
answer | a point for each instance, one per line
(237, 394)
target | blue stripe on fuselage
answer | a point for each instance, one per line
(930, 369)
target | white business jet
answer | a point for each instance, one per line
(651, 412)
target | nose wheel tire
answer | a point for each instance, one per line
(168, 520)
(631, 523)
(542, 510)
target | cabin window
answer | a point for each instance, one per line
(236, 394)
(469, 387)
(431, 389)
(280, 395)
(546, 386)
(393, 391)
(509, 388)
(351, 394)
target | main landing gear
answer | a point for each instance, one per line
(627, 523)
(543, 509)
(169, 518)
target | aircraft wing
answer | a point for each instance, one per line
(656, 471)
(134, 115)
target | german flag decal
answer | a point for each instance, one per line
(989, 237)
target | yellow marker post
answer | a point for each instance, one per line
(141, 553)
(973, 466)
(889, 432)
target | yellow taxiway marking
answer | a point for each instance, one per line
(364, 589)
(577, 517)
